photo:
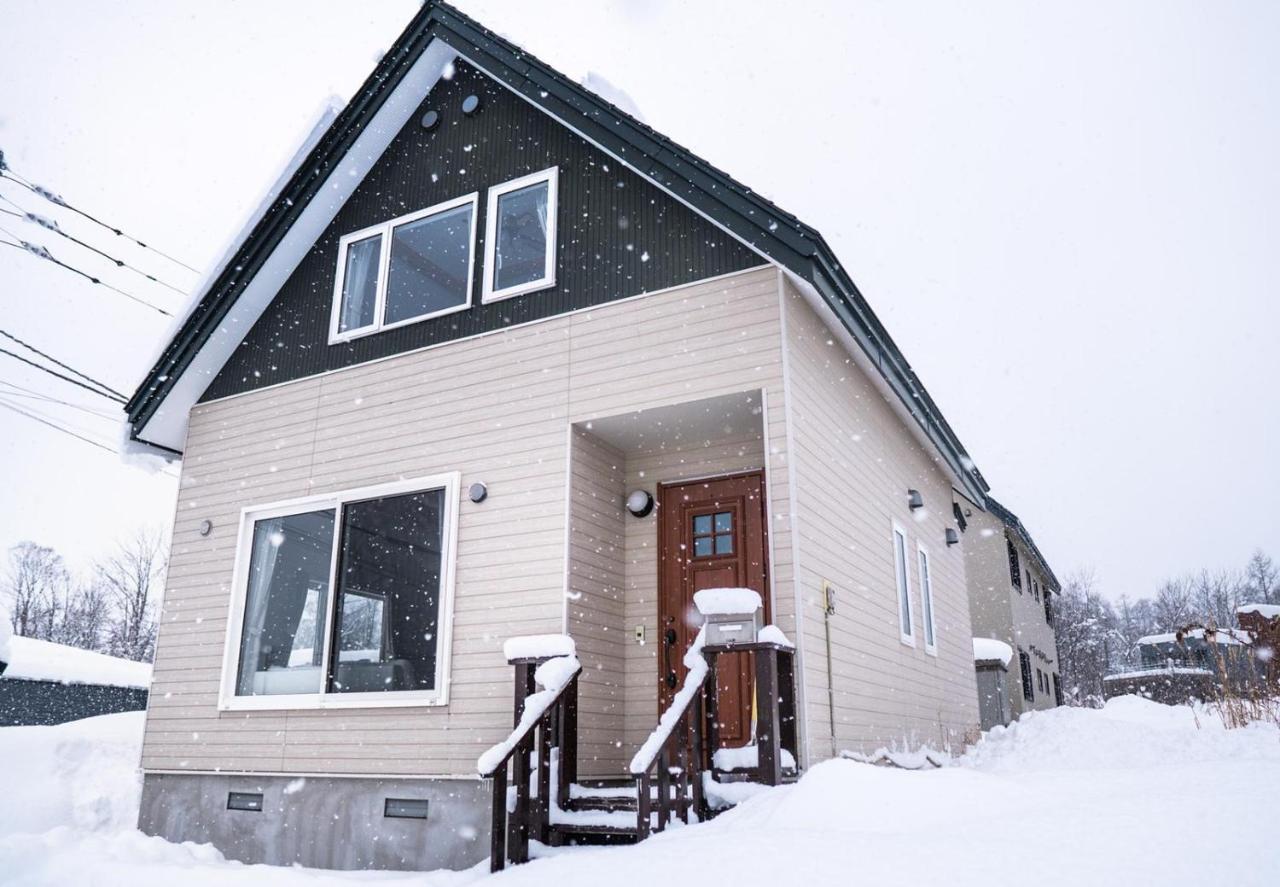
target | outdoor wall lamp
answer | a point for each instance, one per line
(477, 492)
(914, 499)
(639, 503)
(952, 536)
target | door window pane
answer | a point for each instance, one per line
(360, 284)
(521, 252)
(389, 586)
(285, 604)
(430, 265)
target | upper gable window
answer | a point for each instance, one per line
(408, 269)
(520, 236)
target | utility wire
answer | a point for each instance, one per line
(31, 393)
(49, 357)
(41, 252)
(45, 369)
(52, 225)
(8, 172)
(57, 427)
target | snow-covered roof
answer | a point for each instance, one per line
(992, 650)
(1266, 611)
(347, 150)
(35, 660)
(1226, 637)
(1156, 672)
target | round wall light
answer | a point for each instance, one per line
(430, 120)
(477, 492)
(470, 104)
(639, 503)
(206, 527)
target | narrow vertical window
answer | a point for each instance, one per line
(1015, 568)
(926, 600)
(904, 594)
(520, 236)
(361, 269)
(1024, 665)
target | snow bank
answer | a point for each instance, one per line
(990, 650)
(1129, 732)
(44, 661)
(745, 758)
(82, 774)
(538, 646)
(726, 601)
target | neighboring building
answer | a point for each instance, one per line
(47, 683)
(1011, 589)
(483, 312)
(1199, 663)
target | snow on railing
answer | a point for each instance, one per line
(696, 664)
(553, 676)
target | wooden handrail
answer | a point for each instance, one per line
(675, 747)
(546, 720)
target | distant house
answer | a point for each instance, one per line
(1011, 589)
(1197, 662)
(46, 683)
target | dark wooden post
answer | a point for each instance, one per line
(518, 821)
(569, 742)
(696, 720)
(642, 806)
(542, 806)
(787, 702)
(768, 728)
(498, 825)
(712, 711)
(664, 785)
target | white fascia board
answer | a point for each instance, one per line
(167, 427)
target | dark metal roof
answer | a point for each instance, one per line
(774, 232)
(1012, 522)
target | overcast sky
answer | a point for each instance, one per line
(1066, 215)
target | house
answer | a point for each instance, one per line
(1200, 662)
(1011, 589)
(45, 683)
(497, 362)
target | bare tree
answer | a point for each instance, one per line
(1261, 584)
(35, 583)
(1088, 639)
(131, 580)
(1215, 596)
(1172, 606)
(86, 614)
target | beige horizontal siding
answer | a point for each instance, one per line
(496, 408)
(855, 459)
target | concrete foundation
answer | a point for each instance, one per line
(323, 822)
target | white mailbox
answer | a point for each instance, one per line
(731, 615)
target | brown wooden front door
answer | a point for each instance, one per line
(712, 534)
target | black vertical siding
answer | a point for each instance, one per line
(617, 235)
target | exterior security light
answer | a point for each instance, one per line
(952, 536)
(914, 499)
(639, 503)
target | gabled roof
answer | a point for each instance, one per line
(1014, 525)
(774, 233)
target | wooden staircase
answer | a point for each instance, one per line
(670, 774)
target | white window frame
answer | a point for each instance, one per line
(924, 565)
(386, 229)
(902, 586)
(321, 698)
(551, 177)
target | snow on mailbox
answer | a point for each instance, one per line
(732, 615)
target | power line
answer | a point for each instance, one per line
(8, 172)
(52, 225)
(62, 377)
(31, 393)
(56, 427)
(41, 252)
(68, 367)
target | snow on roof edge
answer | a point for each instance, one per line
(37, 660)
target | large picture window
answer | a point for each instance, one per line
(344, 599)
(520, 236)
(408, 269)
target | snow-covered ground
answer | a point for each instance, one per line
(1137, 793)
